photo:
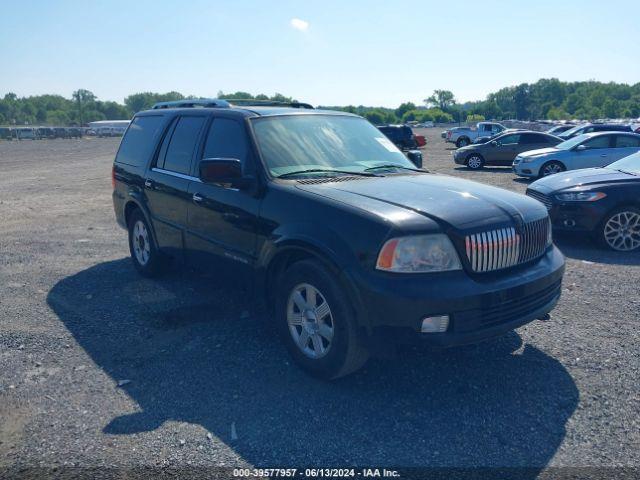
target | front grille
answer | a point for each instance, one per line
(541, 197)
(506, 247)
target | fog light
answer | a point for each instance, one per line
(435, 324)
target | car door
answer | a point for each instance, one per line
(625, 145)
(222, 220)
(593, 152)
(505, 150)
(167, 183)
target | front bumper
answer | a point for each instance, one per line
(479, 307)
(577, 216)
(528, 170)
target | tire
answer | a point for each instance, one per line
(147, 260)
(462, 142)
(551, 168)
(326, 346)
(620, 230)
(475, 161)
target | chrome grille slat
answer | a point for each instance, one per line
(506, 247)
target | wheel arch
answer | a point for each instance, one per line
(132, 204)
(286, 253)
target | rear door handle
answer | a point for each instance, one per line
(603, 154)
(148, 183)
(197, 198)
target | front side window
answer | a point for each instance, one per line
(291, 143)
(598, 142)
(227, 139)
(509, 139)
(182, 144)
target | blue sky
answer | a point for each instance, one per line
(351, 52)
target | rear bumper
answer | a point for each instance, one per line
(482, 308)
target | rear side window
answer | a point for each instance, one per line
(140, 140)
(182, 144)
(627, 141)
(531, 138)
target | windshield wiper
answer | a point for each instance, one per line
(391, 165)
(326, 170)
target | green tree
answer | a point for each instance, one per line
(84, 99)
(442, 99)
(403, 108)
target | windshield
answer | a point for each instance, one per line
(572, 142)
(294, 143)
(571, 131)
(630, 164)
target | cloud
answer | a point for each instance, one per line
(299, 24)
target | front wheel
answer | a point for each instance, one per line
(620, 230)
(475, 162)
(316, 321)
(551, 168)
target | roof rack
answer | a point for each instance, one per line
(248, 102)
(193, 103)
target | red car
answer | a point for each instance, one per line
(421, 141)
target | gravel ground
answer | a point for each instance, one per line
(99, 367)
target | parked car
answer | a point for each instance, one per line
(594, 127)
(45, 132)
(427, 124)
(334, 230)
(604, 202)
(74, 132)
(6, 133)
(401, 135)
(492, 137)
(60, 132)
(26, 133)
(503, 148)
(558, 129)
(463, 136)
(584, 151)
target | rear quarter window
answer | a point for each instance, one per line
(140, 140)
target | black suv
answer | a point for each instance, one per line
(401, 135)
(330, 226)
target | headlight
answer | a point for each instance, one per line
(528, 159)
(419, 254)
(580, 196)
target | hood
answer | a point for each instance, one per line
(450, 201)
(581, 178)
(540, 152)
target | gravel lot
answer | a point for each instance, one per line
(99, 367)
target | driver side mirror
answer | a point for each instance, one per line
(581, 148)
(494, 143)
(416, 157)
(222, 171)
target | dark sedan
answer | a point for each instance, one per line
(603, 201)
(503, 148)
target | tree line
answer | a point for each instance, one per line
(546, 99)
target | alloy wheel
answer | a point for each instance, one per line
(622, 231)
(474, 162)
(310, 320)
(551, 169)
(141, 245)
